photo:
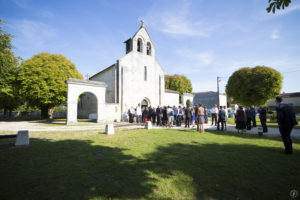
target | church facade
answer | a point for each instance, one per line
(135, 78)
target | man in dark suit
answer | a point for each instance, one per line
(188, 115)
(249, 115)
(158, 116)
(253, 112)
(263, 118)
(221, 118)
(286, 121)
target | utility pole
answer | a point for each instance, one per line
(218, 80)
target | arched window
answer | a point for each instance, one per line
(140, 45)
(148, 48)
(145, 73)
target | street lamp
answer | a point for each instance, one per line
(218, 81)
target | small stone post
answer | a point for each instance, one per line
(148, 125)
(22, 138)
(109, 129)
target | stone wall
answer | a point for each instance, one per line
(185, 97)
(109, 77)
(223, 100)
(171, 99)
(77, 87)
(112, 112)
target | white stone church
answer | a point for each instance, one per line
(135, 78)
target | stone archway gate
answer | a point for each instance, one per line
(75, 88)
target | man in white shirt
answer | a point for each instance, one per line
(214, 115)
(139, 113)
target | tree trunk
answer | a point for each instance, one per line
(50, 114)
(44, 112)
(5, 111)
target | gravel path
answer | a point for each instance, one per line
(60, 126)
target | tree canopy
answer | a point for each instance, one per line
(42, 79)
(9, 97)
(277, 5)
(254, 86)
(179, 83)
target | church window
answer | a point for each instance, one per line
(145, 73)
(148, 48)
(139, 45)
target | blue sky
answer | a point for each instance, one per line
(196, 38)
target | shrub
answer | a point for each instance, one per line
(272, 117)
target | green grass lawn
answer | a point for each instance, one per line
(269, 124)
(148, 164)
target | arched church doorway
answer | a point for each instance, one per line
(94, 104)
(87, 107)
(145, 103)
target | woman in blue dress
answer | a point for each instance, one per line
(193, 118)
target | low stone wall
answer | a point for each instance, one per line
(112, 112)
(171, 99)
(36, 114)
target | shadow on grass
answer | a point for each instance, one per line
(228, 171)
(251, 136)
(70, 169)
(78, 169)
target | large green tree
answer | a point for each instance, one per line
(179, 83)
(254, 86)
(9, 98)
(42, 79)
(277, 5)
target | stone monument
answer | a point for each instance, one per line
(22, 138)
(109, 129)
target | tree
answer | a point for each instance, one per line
(254, 86)
(179, 83)
(9, 98)
(188, 103)
(43, 79)
(277, 4)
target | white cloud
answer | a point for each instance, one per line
(205, 57)
(26, 5)
(274, 34)
(32, 34)
(176, 20)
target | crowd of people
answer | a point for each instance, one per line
(168, 116)
(245, 118)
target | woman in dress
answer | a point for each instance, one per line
(193, 118)
(240, 119)
(201, 119)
